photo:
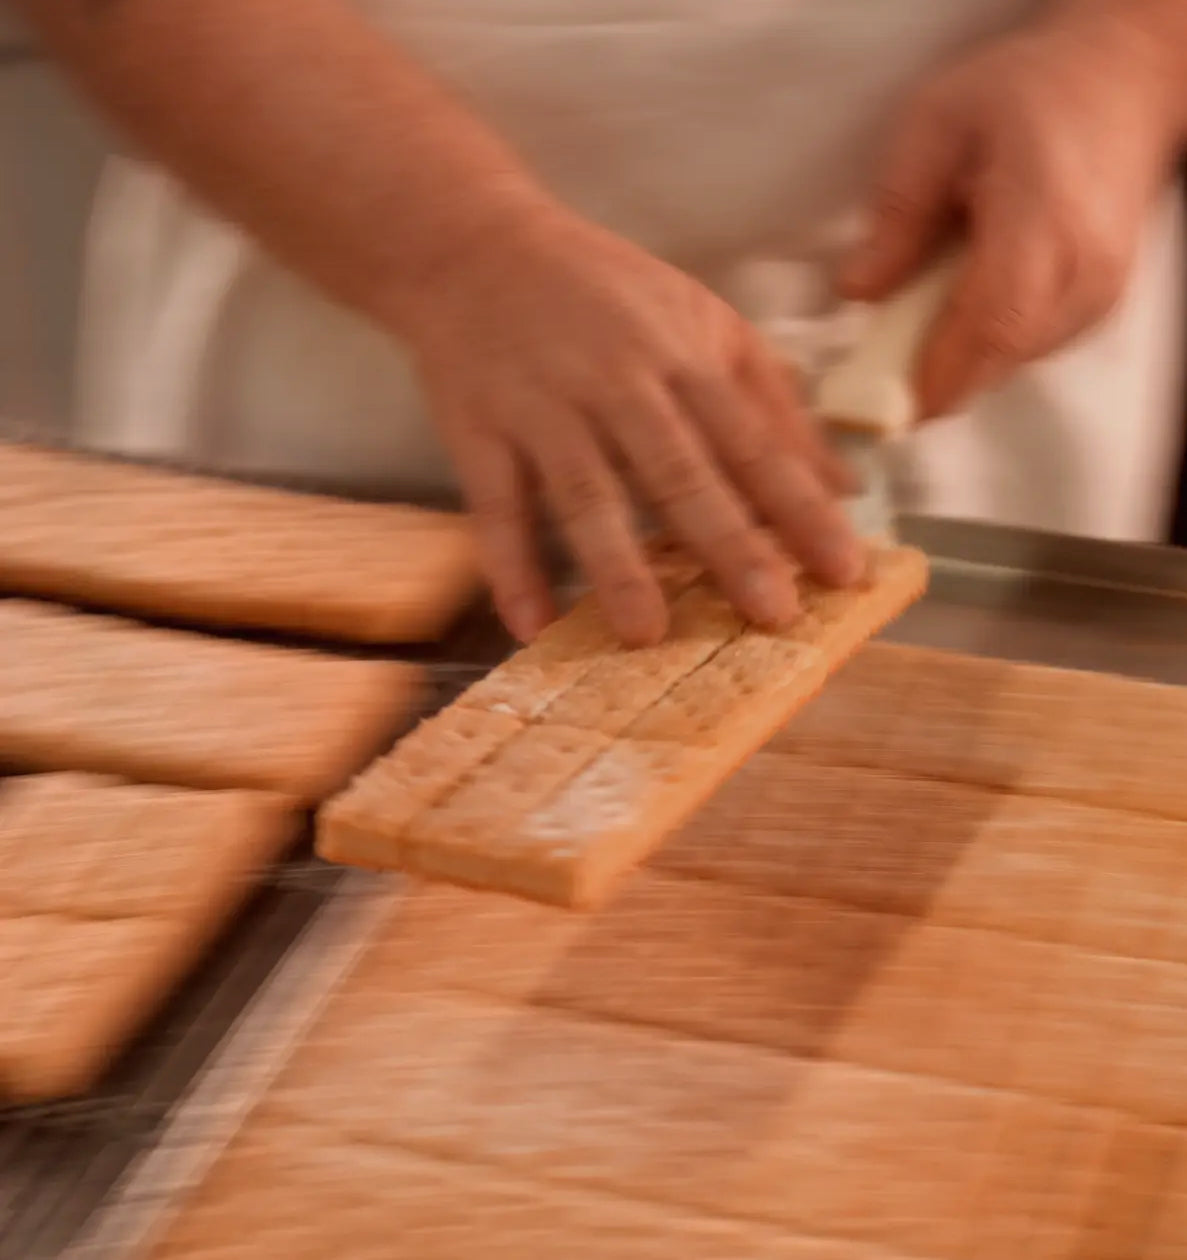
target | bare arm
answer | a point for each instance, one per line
(551, 352)
(301, 122)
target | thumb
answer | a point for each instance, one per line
(915, 195)
(1004, 306)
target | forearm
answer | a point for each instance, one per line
(300, 122)
(1153, 30)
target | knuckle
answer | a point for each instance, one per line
(496, 509)
(1100, 266)
(580, 494)
(1005, 331)
(754, 451)
(688, 378)
(894, 204)
(1101, 304)
(678, 475)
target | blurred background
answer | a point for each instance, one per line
(50, 154)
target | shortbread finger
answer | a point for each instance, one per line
(471, 837)
(196, 549)
(620, 686)
(111, 892)
(84, 692)
(366, 824)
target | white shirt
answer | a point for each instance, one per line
(732, 137)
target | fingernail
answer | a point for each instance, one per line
(641, 632)
(770, 599)
(527, 617)
(843, 561)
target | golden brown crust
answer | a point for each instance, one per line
(1067, 734)
(364, 823)
(383, 1203)
(100, 694)
(141, 540)
(682, 717)
(109, 893)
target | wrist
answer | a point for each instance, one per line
(1148, 36)
(463, 222)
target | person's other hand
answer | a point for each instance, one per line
(1045, 150)
(570, 370)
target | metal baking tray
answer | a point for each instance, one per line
(92, 1179)
(1052, 600)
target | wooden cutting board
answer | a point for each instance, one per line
(913, 986)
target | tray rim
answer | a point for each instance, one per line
(1007, 553)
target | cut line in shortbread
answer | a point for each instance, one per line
(529, 685)
(661, 755)
(196, 549)
(1031, 729)
(525, 684)
(609, 695)
(364, 823)
(109, 893)
(100, 694)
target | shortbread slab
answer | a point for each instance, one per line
(142, 540)
(101, 694)
(682, 718)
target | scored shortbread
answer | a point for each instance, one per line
(109, 893)
(142, 540)
(544, 813)
(612, 691)
(97, 693)
(365, 823)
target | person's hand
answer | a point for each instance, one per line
(568, 369)
(1045, 149)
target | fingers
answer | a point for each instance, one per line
(774, 385)
(496, 490)
(594, 514)
(770, 459)
(676, 470)
(709, 508)
(914, 198)
(1005, 308)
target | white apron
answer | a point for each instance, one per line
(720, 134)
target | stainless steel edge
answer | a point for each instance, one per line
(253, 1054)
(1030, 556)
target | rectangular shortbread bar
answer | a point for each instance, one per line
(583, 759)
(196, 549)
